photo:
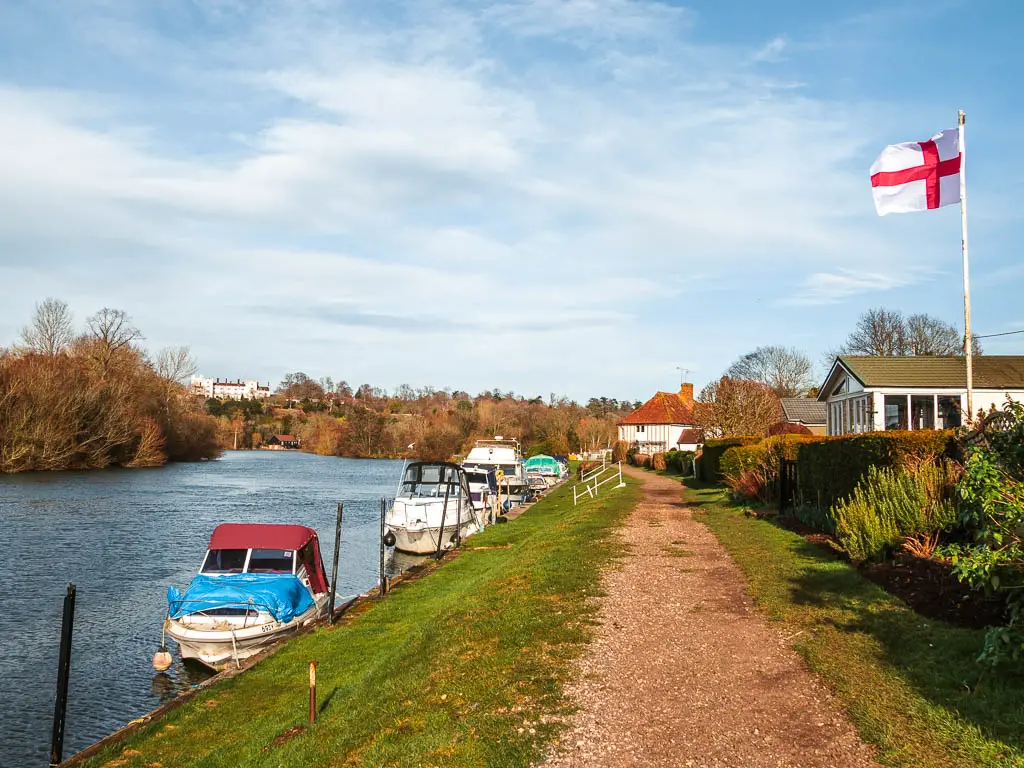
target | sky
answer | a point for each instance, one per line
(570, 196)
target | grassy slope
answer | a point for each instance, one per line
(910, 684)
(455, 669)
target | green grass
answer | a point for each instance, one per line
(910, 684)
(460, 668)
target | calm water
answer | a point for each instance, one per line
(122, 536)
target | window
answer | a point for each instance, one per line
(270, 561)
(922, 411)
(949, 412)
(640, 428)
(224, 561)
(896, 412)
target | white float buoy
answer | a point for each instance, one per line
(162, 660)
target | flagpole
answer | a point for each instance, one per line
(968, 343)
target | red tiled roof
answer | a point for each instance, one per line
(689, 437)
(663, 408)
(287, 438)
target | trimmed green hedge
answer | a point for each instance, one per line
(829, 468)
(708, 468)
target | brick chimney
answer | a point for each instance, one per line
(686, 393)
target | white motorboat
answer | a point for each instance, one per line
(483, 491)
(504, 458)
(257, 584)
(433, 509)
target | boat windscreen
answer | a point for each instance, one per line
(224, 561)
(270, 561)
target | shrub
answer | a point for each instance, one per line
(711, 456)
(889, 505)
(619, 451)
(658, 461)
(829, 468)
(752, 471)
(680, 462)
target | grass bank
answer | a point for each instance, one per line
(910, 684)
(460, 668)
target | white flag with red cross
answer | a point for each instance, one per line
(917, 175)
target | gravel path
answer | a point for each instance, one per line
(685, 672)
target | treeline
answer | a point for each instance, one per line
(746, 399)
(89, 398)
(333, 419)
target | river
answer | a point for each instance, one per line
(122, 536)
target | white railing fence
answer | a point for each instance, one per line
(588, 485)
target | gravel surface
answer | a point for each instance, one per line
(685, 672)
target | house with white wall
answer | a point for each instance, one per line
(657, 425)
(229, 390)
(867, 394)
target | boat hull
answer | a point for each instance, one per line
(423, 540)
(220, 648)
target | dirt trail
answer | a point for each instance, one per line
(685, 672)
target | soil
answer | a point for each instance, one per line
(931, 589)
(928, 586)
(683, 670)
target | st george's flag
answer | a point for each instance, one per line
(917, 175)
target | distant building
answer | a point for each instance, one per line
(802, 412)
(281, 442)
(229, 390)
(662, 423)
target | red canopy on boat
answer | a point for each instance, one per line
(269, 536)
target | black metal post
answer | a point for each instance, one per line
(383, 575)
(334, 566)
(444, 512)
(782, 485)
(60, 705)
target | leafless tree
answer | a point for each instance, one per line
(175, 364)
(880, 332)
(788, 371)
(887, 333)
(110, 332)
(113, 329)
(51, 330)
(730, 407)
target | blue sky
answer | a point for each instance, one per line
(570, 196)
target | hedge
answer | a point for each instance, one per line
(708, 467)
(828, 468)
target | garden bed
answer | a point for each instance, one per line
(931, 589)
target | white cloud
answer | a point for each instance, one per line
(832, 287)
(390, 184)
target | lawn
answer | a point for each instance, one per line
(463, 667)
(910, 684)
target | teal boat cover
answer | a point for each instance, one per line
(544, 464)
(282, 595)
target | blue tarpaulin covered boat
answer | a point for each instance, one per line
(283, 596)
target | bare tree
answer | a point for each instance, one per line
(113, 329)
(175, 364)
(110, 331)
(788, 371)
(51, 330)
(729, 407)
(887, 333)
(880, 332)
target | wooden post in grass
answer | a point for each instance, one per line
(334, 566)
(312, 692)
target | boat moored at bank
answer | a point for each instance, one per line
(257, 584)
(433, 509)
